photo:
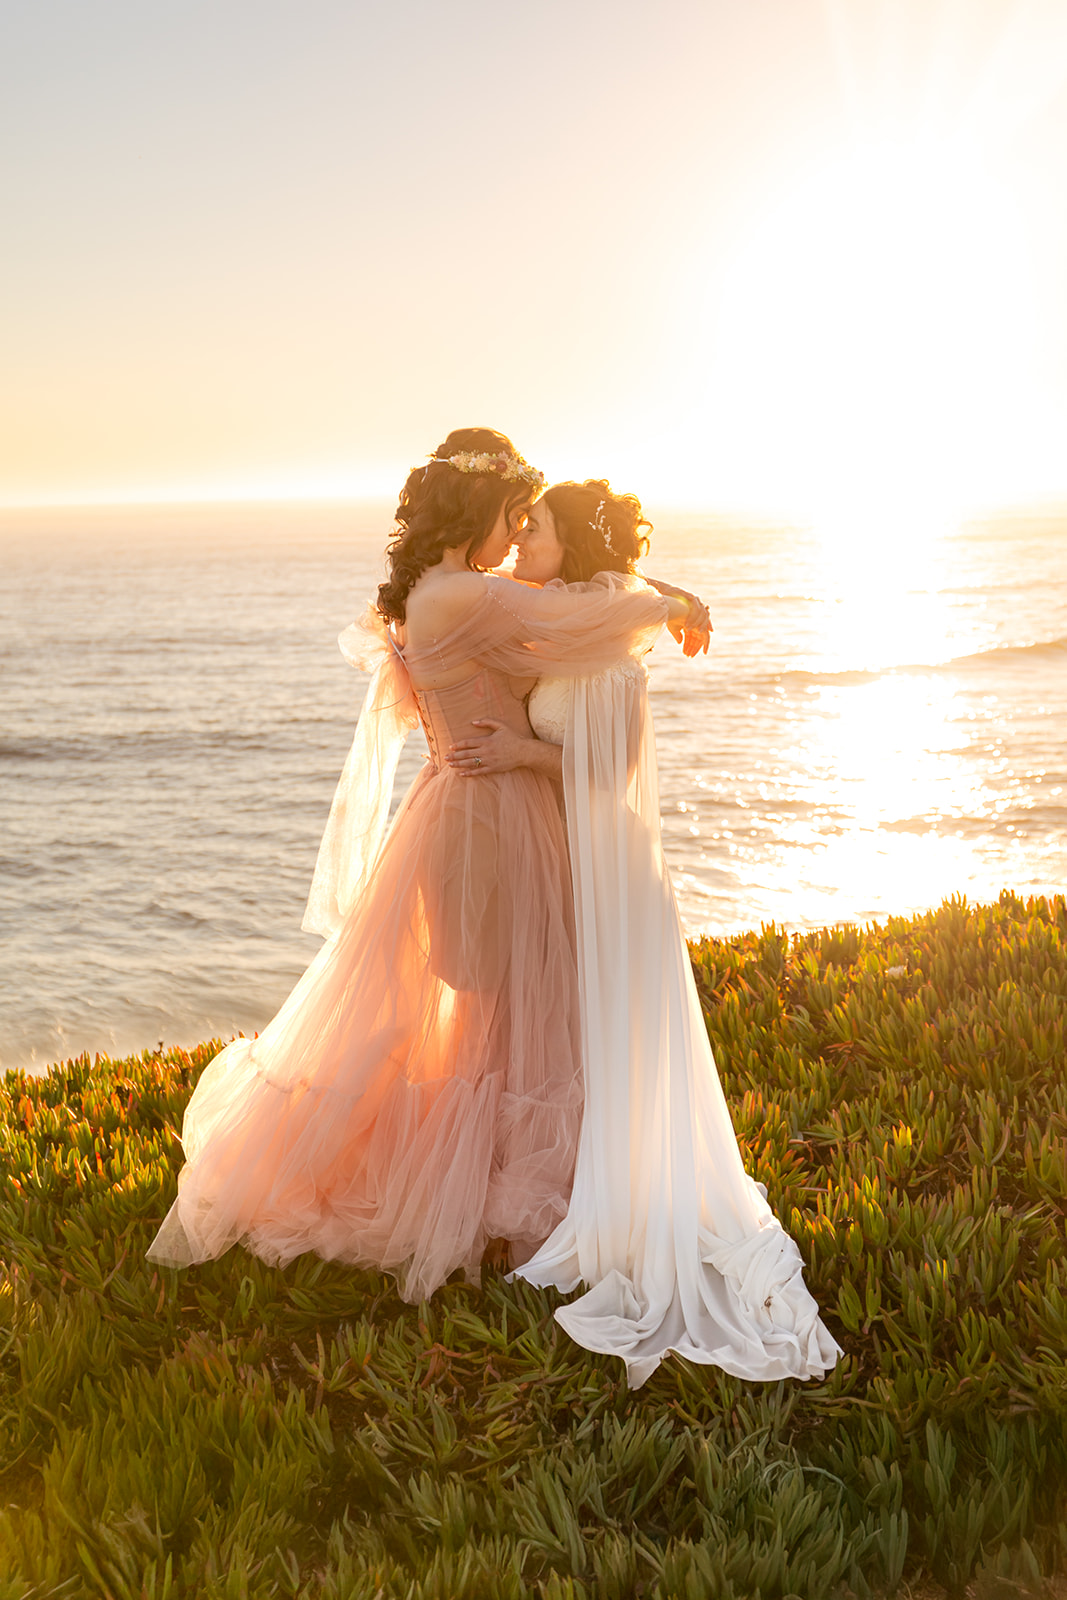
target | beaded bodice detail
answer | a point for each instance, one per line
(550, 699)
(448, 714)
(548, 706)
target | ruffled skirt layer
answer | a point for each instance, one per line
(419, 1093)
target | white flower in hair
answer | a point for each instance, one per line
(600, 526)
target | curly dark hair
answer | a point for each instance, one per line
(441, 508)
(583, 514)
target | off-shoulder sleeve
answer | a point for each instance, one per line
(567, 630)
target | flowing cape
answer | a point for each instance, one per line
(360, 810)
(675, 1244)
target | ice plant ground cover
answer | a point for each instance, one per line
(240, 1430)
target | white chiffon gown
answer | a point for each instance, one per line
(675, 1244)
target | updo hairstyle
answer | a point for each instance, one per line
(587, 515)
(441, 507)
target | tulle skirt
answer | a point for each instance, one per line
(419, 1093)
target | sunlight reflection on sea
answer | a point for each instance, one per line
(878, 724)
(905, 728)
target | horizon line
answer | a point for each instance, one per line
(164, 502)
(1040, 505)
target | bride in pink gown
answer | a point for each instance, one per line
(674, 1244)
(419, 1094)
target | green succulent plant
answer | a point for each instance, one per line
(242, 1430)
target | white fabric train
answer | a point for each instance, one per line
(675, 1243)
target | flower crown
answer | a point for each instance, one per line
(501, 464)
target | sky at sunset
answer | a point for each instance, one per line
(760, 254)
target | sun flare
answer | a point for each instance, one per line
(875, 321)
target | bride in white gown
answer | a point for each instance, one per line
(675, 1244)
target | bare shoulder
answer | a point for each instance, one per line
(440, 600)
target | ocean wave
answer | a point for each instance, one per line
(1020, 821)
(12, 867)
(847, 677)
(41, 749)
(143, 744)
(177, 915)
(1047, 649)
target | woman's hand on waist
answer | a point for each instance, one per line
(501, 749)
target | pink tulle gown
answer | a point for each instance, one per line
(420, 1091)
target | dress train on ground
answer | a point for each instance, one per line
(675, 1243)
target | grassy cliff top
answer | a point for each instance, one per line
(245, 1431)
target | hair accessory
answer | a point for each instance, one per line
(600, 526)
(512, 468)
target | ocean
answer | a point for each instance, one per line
(881, 722)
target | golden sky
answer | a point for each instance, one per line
(763, 254)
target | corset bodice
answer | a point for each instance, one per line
(447, 714)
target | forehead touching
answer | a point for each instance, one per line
(541, 514)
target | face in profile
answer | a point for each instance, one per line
(504, 532)
(539, 554)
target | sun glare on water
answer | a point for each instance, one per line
(876, 351)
